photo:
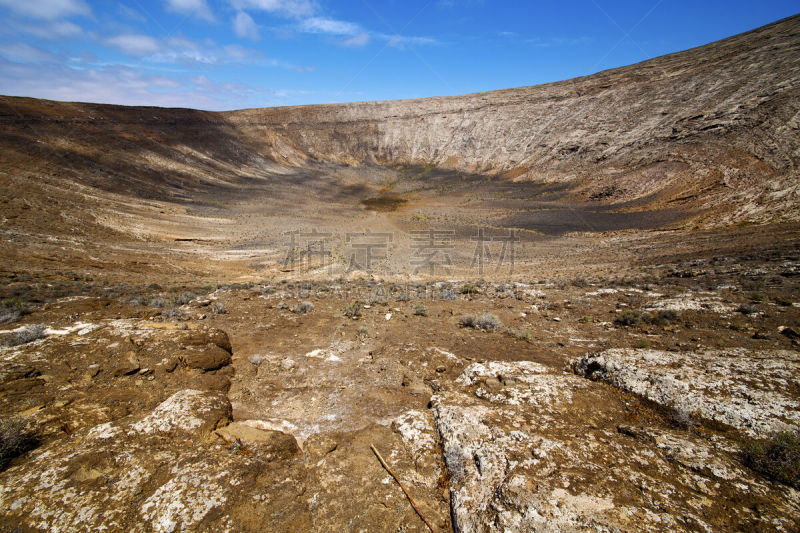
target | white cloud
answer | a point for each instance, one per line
(286, 8)
(402, 41)
(59, 29)
(47, 9)
(245, 26)
(558, 41)
(362, 39)
(330, 26)
(118, 84)
(179, 50)
(196, 8)
(356, 35)
(130, 13)
(25, 53)
(134, 44)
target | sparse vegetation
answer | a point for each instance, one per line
(15, 439)
(27, 334)
(420, 310)
(469, 288)
(467, 321)
(777, 457)
(173, 312)
(633, 317)
(12, 310)
(218, 308)
(354, 310)
(662, 317)
(748, 309)
(448, 294)
(682, 418)
(485, 322)
(184, 298)
(628, 318)
(303, 307)
(488, 322)
(363, 331)
(523, 334)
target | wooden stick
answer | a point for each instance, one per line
(410, 499)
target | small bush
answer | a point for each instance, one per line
(467, 321)
(778, 457)
(748, 309)
(682, 418)
(662, 317)
(448, 294)
(632, 317)
(403, 297)
(354, 310)
(420, 310)
(523, 334)
(27, 334)
(283, 305)
(12, 310)
(628, 318)
(184, 298)
(156, 301)
(15, 439)
(303, 308)
(218, 308)
(172, 312)
(642, 344)
(469, 288)
(488, 322)
(7, 316)
(363, 331)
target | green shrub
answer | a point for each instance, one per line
(420, 310)
(469, 288)
(354, 310)
(629, 317)
(777, 457)
(748, 309)
(467, 321)
(662, 317)
(523, 334)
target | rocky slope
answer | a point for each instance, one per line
(714, 129)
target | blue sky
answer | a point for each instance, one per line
(230, 54)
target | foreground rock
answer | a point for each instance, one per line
(755, 392)
(532, 449)
(129, 477)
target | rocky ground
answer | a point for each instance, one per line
(589, 407)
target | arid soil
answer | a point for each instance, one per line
(566, 307)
